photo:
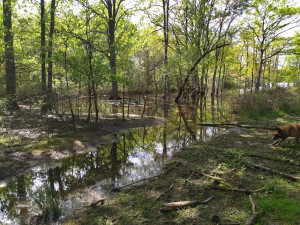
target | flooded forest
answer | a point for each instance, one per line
(159, 112)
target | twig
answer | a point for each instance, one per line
(289, 176)
(175, 205)
(172, 185)
(186, 180)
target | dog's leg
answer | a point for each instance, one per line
(281, 140)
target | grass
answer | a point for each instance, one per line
(283, 210)
(268, 104)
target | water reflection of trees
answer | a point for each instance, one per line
(47, 187)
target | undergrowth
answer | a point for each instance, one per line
(267, 104)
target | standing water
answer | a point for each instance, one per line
(53, 192)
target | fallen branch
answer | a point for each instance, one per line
(289, 161)
(289, 176)
(236, 190)
(176, 205)
(233, 124)
(255, 213)
(138, 181)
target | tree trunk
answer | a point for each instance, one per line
(9, 57)
(220, 72)
(111, 9)
(50, 50)
(260, 69)
(213, 85)
(166, 41)
(43, 48)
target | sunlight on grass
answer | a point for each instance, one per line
(188, 213)
(235, 215)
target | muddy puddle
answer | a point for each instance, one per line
(52, 192)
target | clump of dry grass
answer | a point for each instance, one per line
(267, 103)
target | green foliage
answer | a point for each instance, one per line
(3, 105)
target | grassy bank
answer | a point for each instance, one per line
(222, 168)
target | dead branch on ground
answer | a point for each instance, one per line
(176, 205)
(236, 190)
(255, 212)
(288, 176)
(233, 124)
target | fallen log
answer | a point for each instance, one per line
(176, 205)
(286, 175)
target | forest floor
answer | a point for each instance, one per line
(28, 139)
(238, 177)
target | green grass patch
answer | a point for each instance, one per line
(282, 210)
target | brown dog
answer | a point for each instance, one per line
(288, 130)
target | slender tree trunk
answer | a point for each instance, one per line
(253, 67)
(89, 99)
(43, 48)
(50, 49)
(68, 89)
(220, 71)
(166, 41)
(9, 57)
(213, 85)
(260, 70)
(247, 65)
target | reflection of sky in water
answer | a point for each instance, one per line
(83, 183)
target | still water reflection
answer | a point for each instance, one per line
(52, 192)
